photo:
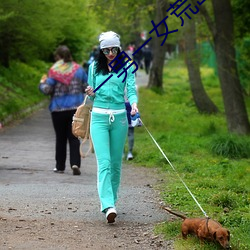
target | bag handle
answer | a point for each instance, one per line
(93, 69)
(85, 139)
(85, 99)
(91, 148)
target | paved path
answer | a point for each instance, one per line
(141, 78)
(27, 160)
(26, 163)
(29, 189)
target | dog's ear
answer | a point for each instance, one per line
(214, 235)
(228, 237)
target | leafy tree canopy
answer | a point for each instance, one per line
(32, 30)
(241, 17)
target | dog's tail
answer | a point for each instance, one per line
(175, 213)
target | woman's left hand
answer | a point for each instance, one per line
(134, 109)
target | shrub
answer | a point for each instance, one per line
(231, 146)
(223, 200)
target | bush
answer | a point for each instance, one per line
(224, 200)
(231, 146)
(19, 88)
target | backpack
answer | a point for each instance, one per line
(81, 126)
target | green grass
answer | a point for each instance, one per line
(214, 164)
(19, 88)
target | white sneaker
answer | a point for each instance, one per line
(111, 214)
(76, 170)
(130, 156)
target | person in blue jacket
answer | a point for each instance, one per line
(109, 124)
(65, 83)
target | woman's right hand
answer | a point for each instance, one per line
(90, 91)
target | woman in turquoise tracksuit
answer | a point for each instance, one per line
(109, 123)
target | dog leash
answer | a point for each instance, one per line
(174, 169)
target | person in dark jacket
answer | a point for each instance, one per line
(138, 58)
(147, 54)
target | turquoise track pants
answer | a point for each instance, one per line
(108, 136)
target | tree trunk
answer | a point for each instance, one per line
(156, 71)
(201, 99)
(235, 109)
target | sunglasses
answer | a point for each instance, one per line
(107, 51)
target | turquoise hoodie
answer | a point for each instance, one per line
(111, 94)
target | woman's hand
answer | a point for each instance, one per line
(134, 109)
(90, 91)
(43, 79)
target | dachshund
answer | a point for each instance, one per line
(204, 229)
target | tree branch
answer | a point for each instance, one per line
(209, 21)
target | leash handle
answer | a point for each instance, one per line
(90, 149)
(174, 169)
